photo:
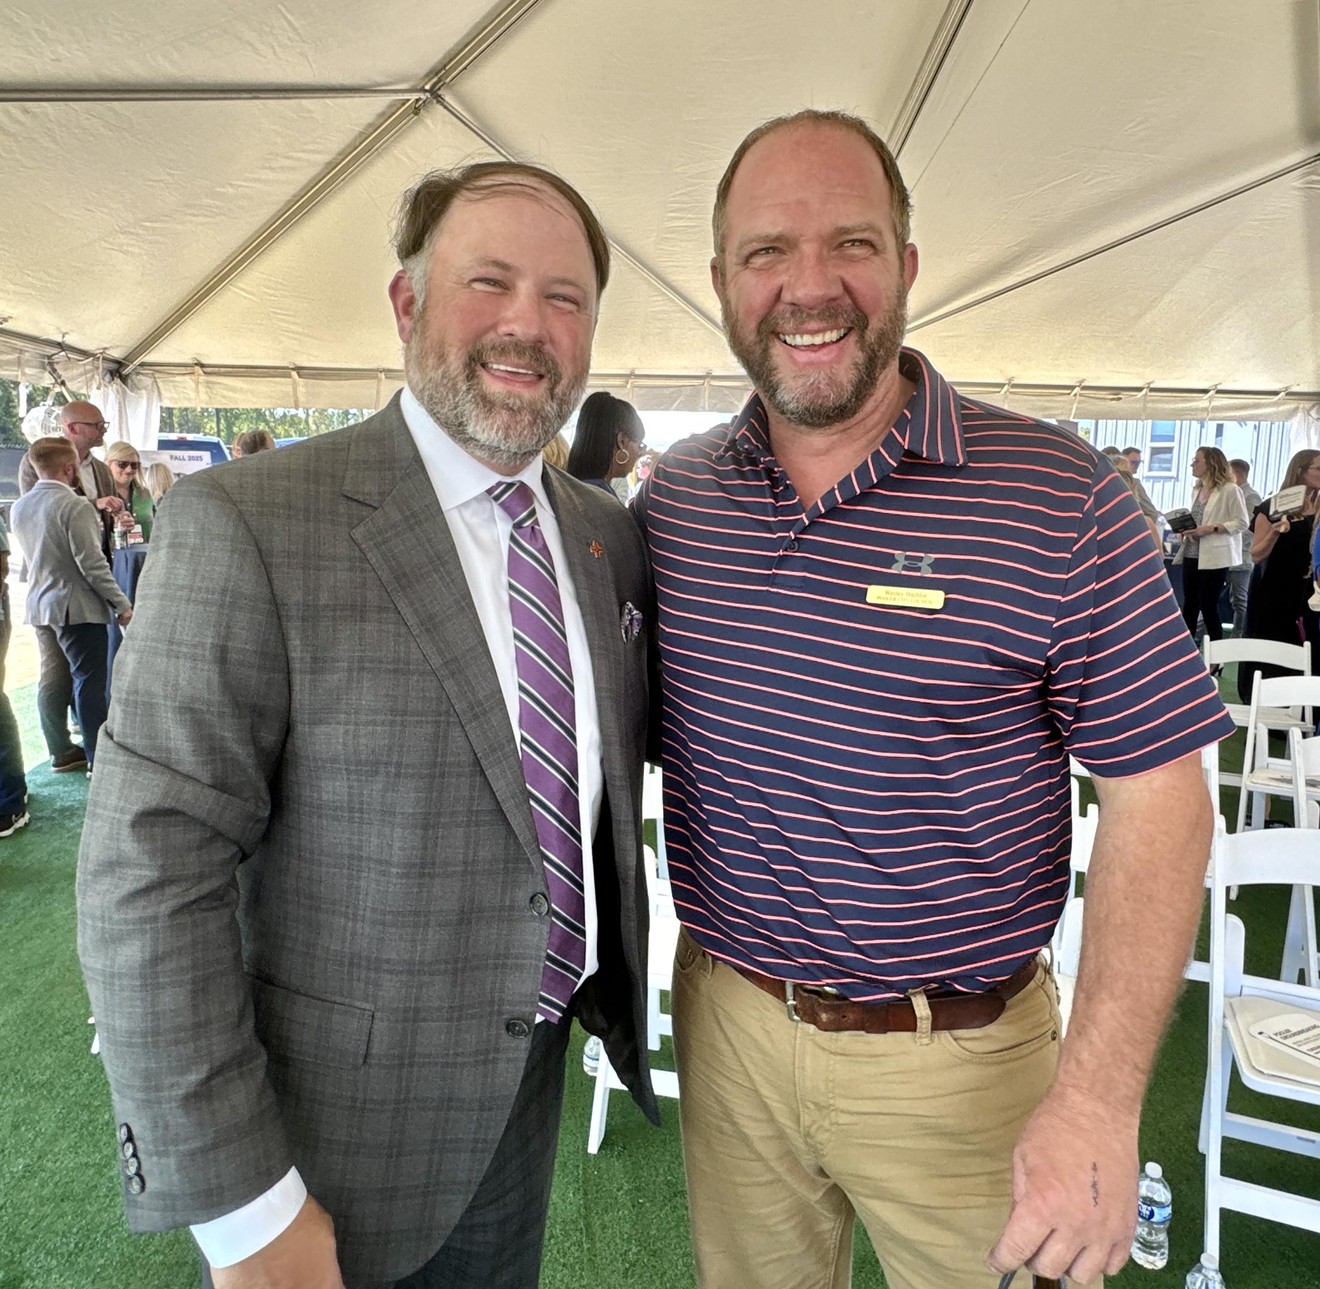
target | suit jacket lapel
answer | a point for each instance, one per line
(407, 541)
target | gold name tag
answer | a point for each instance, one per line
(903, 597)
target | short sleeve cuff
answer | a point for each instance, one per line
(245, 1231)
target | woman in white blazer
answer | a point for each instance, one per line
(1211, 548)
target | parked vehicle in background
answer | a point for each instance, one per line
(188, 453)
(297, 438)
(10, 460)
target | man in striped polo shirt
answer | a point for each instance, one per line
(888, 613)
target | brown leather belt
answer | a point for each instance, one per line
(836, 1015)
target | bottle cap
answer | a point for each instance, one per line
(1209, 1262)
(1154, 1170)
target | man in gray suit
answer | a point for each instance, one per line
(84, 427)
(71, 592)
(328, 912)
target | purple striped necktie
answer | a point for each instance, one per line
(548, 726)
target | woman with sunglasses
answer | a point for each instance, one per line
(126, 467)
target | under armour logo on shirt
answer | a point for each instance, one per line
(903, 563)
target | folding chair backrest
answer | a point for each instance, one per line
(1258, 857)
(1272, 653)
(1286, 691)
(1267, 857)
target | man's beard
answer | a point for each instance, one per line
(503, 429)
(818, 399)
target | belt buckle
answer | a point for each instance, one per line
(827, 992)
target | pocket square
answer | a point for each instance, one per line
(630, 622)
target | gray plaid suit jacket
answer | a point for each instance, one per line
(306, 877)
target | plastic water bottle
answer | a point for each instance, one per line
(1150, 1246)
(1205, 1274)
(591, 1056)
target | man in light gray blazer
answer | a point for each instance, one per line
(71, 591)
(84, 426)
(316, 896)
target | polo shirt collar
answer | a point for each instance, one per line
(930, 425)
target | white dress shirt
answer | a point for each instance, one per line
(481, 531)
(87, 477)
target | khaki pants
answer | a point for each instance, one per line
(789, 1132)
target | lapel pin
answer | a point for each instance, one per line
(596, 549)
(630, 622)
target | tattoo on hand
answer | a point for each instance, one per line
(1095, 1185)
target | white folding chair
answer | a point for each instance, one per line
(1279, 703)
(1067, 954)
(661, 943)
(1300, 956)
(1084, 826)
(653, 811)
(1270, 653)
(1239, 1003)
(1304, 757)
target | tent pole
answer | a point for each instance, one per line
(1274, 175)
(457, 61)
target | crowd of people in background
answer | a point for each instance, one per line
(74, 510)
(1263, 556)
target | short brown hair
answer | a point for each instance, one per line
(49, 454)
(900, 201)
(425, 204)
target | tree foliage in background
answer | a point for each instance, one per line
(283, 422)
(226, 422)
(11, 424)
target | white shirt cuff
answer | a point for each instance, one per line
(240, 1234)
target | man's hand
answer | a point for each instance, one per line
(125, 617)
(112, 505)
(302, 1257)
(1074, 1189)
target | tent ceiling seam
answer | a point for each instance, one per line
(1064, 389)
(1118, 242)
(937, 54)
(204, 93)
(454, 64)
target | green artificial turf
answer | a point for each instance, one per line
(616, 1219)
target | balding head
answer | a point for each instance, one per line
(84, 426)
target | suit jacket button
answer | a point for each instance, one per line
(125, 1134)
(517, 1028)
(132, 1167)
(128, 1149)
(540, 905)
(137, 1184)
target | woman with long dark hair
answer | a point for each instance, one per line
(606, 442)
(1211, 548)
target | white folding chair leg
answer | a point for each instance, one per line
(1203, 1137)
(600, 1104)
(1299, 941)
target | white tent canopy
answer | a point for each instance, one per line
(1117, 202)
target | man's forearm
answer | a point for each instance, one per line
(1144, 891)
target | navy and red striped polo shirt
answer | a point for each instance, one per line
(865, 790)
